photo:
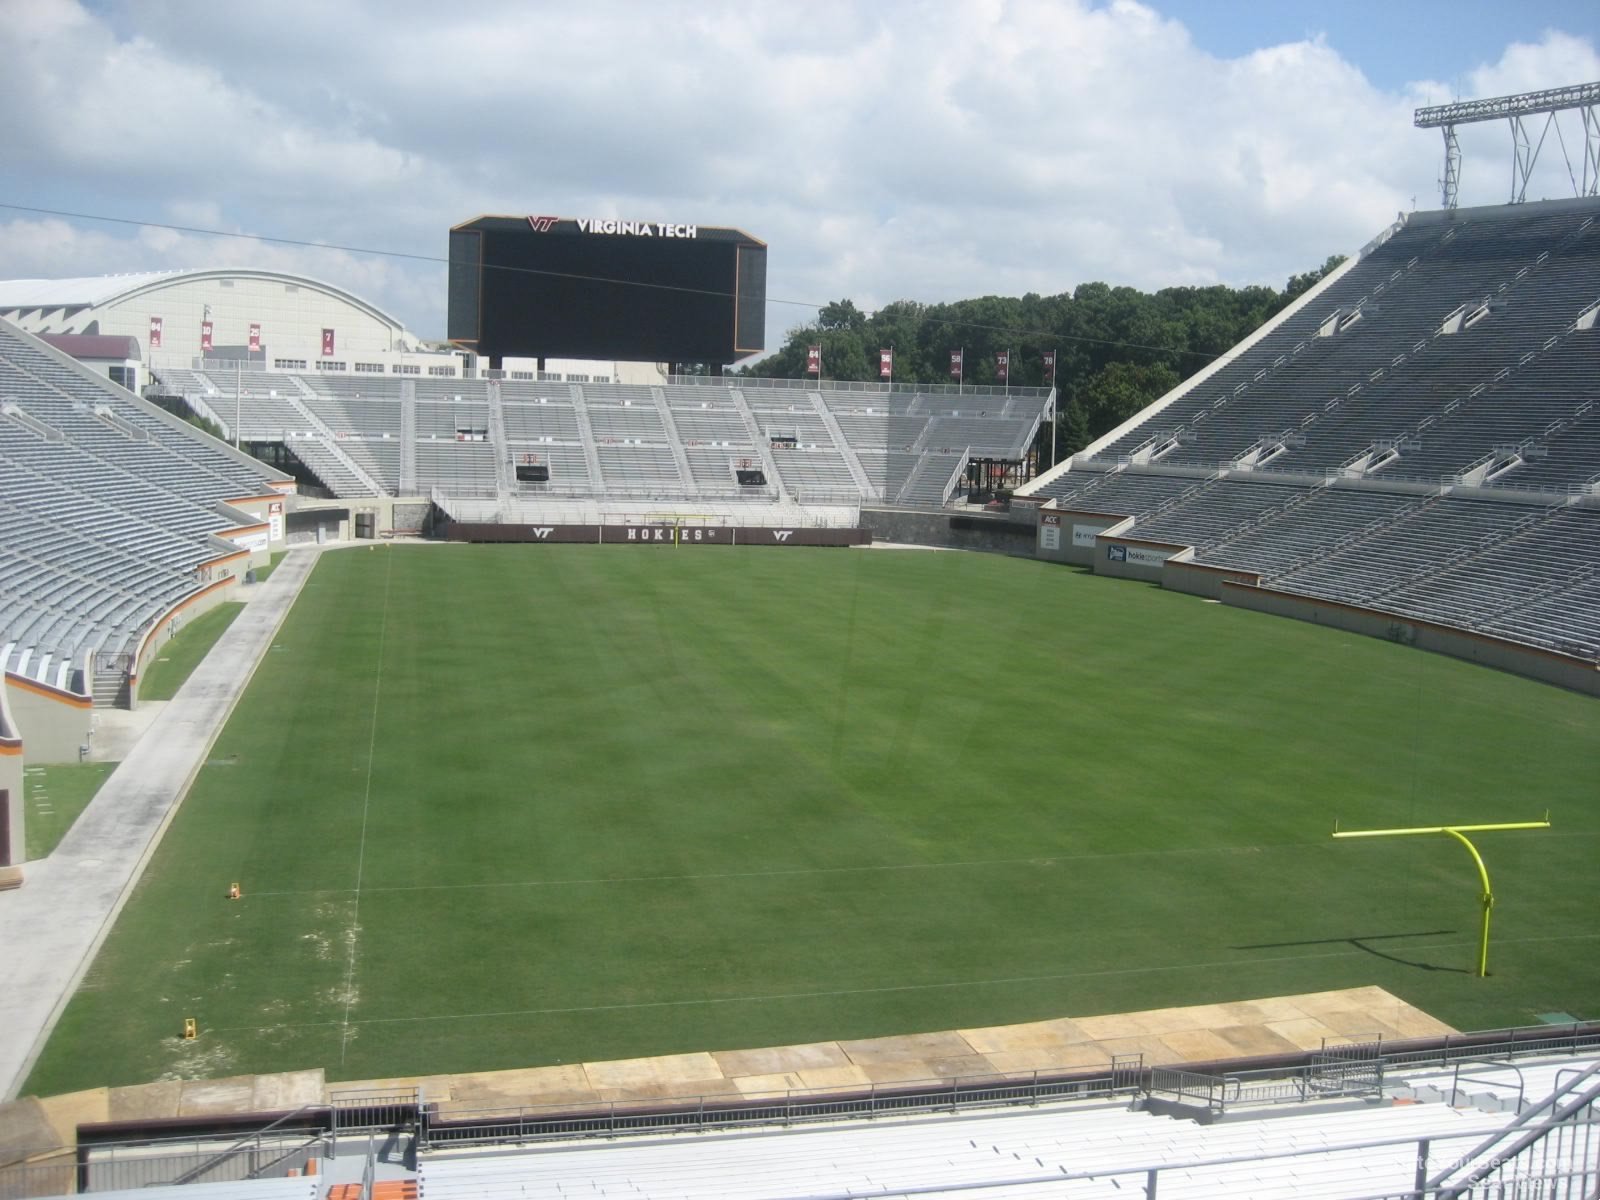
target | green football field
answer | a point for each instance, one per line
(506, 806)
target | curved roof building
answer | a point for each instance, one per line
(265, 315)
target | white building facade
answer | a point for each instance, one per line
(261, 320)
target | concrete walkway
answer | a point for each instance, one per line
(1163, 1037)
(51, 928)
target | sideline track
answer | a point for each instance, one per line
(53, 926)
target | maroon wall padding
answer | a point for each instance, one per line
(465, 531)
(658, 535)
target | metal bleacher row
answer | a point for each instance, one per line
(1432, 1124)
(1420, 436)
(359, 434)
(107, 509)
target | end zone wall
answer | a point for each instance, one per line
(1547, 666)
(54, 722)
(1093, 539)
(991, 532)
(655, 534)
(173, 620)
(13, 843)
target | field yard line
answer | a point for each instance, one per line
(1049, 861)
(366, 804)
(967, 864)
(901, 987)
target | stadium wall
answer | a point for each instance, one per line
(989, 532)
(1089, 539)
(174, 619)
(652, 534)
(1547, 666)
(11, 774)
(1201, 579)
(55, 722)
(1068, 536)
(1134, 558)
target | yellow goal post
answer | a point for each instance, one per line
(1459, 832)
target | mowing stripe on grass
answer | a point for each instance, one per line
(977, 863)
(366, 804)
(899, 987)
(1049, 861)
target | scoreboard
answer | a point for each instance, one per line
(635, 291)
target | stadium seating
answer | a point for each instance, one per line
(1333, 1150)
(1419, 436)
(1369, 360)
(107, 510)
(675, 441)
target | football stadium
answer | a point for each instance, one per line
(544, 762)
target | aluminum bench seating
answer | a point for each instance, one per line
(531, 422)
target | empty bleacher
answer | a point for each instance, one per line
(1366, 360)
(1095, 1149)
(108, 511)
(1420, 435)
(675, 440)
(1215, 509)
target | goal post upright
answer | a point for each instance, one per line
(1459, 832)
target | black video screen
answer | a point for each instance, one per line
(564, 293)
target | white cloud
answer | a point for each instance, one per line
(895, 150)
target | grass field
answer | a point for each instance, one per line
(497, 806)
(264, 572)
(55, 795)
(180, 656)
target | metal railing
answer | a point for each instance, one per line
(1346, 1072)
(161, 1162)
(252, 1143)
(845, 385)
(701, 1114)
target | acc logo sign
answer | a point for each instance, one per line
(1117, 553)
(542, 224)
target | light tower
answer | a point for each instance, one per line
(1585, 97)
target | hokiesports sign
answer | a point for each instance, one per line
(658, 535)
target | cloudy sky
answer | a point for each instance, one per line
(902, 149)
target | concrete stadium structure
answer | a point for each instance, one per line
(118, 524)
(1410, 451)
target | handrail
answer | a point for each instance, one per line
(955, 476)
(253, 1137)
(1141, 1169)
(1455, 1083)
(313, 1140)
(1557, 1115)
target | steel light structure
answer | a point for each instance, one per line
(1583, 97)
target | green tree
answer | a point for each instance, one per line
(1072, 428)
(1298, 285)
(1121, 389)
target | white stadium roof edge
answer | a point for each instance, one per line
(89, 291)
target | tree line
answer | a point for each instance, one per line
(1117, 348)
